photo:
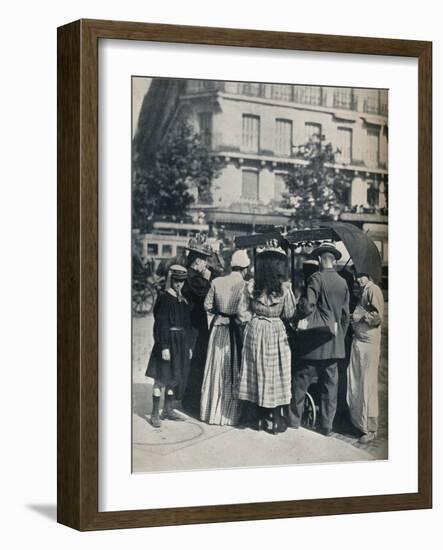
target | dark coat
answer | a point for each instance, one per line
(169, 314)
(194, 290)
(328, 296)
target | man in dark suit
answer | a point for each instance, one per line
(325, 312)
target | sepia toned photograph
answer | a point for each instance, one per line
(259, 274)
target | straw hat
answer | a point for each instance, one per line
(326, 247)
(199, 245)
(178, 272)
(272, 247)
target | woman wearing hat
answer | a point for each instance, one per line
(265, 376)
(218, 402)
(196, 288)
(172, 351)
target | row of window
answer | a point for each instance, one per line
(376, 144)
(361, 192)
(164, 250)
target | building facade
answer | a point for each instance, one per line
(256, 128)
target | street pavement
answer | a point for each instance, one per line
(192, 444)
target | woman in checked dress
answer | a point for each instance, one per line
(265, 375)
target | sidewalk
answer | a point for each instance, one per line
(195, 445)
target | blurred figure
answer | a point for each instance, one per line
(362, 395)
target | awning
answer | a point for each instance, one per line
(243, 218)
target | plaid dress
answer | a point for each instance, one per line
(265, 375)
(218, 404)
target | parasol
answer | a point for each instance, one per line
(361, 248)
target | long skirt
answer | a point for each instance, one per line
(218, 404)
(265, 375)
(192, 395)
(362, 394)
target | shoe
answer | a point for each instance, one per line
(168, 412)
(171, 415)
(276, 422)
(282, 422)
(292, 421)
(367, 438)
(155, 420)
(259, 425)
(155, 417)
(327, 432)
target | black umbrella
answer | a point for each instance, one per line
(361, 248)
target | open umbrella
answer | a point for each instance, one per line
(361, 248)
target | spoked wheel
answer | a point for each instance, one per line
(309, 417)
(143, 300)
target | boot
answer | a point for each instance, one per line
(282, 422)
(168, 412)
(260, 421)
(155, 416)
(275, 417)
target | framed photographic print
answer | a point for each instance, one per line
(244, 275)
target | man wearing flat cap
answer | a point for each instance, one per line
(325, 318)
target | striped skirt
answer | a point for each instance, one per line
(218, 405)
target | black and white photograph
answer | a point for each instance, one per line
(259, 274)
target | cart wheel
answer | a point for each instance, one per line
(148, 299)
(310, 412)
(143, 301)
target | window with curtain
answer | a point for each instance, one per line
(312, 129)
(283, 137)
(372, 147)
(251, 133)
(205, 122)
(279, 186)
(251, 88)
(344, 98)
(282, 92)
(371, 102)
(309, 95)
(250, 184)
(344, 143)
(384, 147)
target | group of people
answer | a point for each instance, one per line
(238, 350)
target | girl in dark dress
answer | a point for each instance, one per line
(172, 351)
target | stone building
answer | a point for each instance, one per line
(255, 129)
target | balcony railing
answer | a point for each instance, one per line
(342, 98)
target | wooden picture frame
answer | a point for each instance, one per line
(78, 274)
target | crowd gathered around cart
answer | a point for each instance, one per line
(242, 345)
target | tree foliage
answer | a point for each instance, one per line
(316, 189)
(162, 186)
